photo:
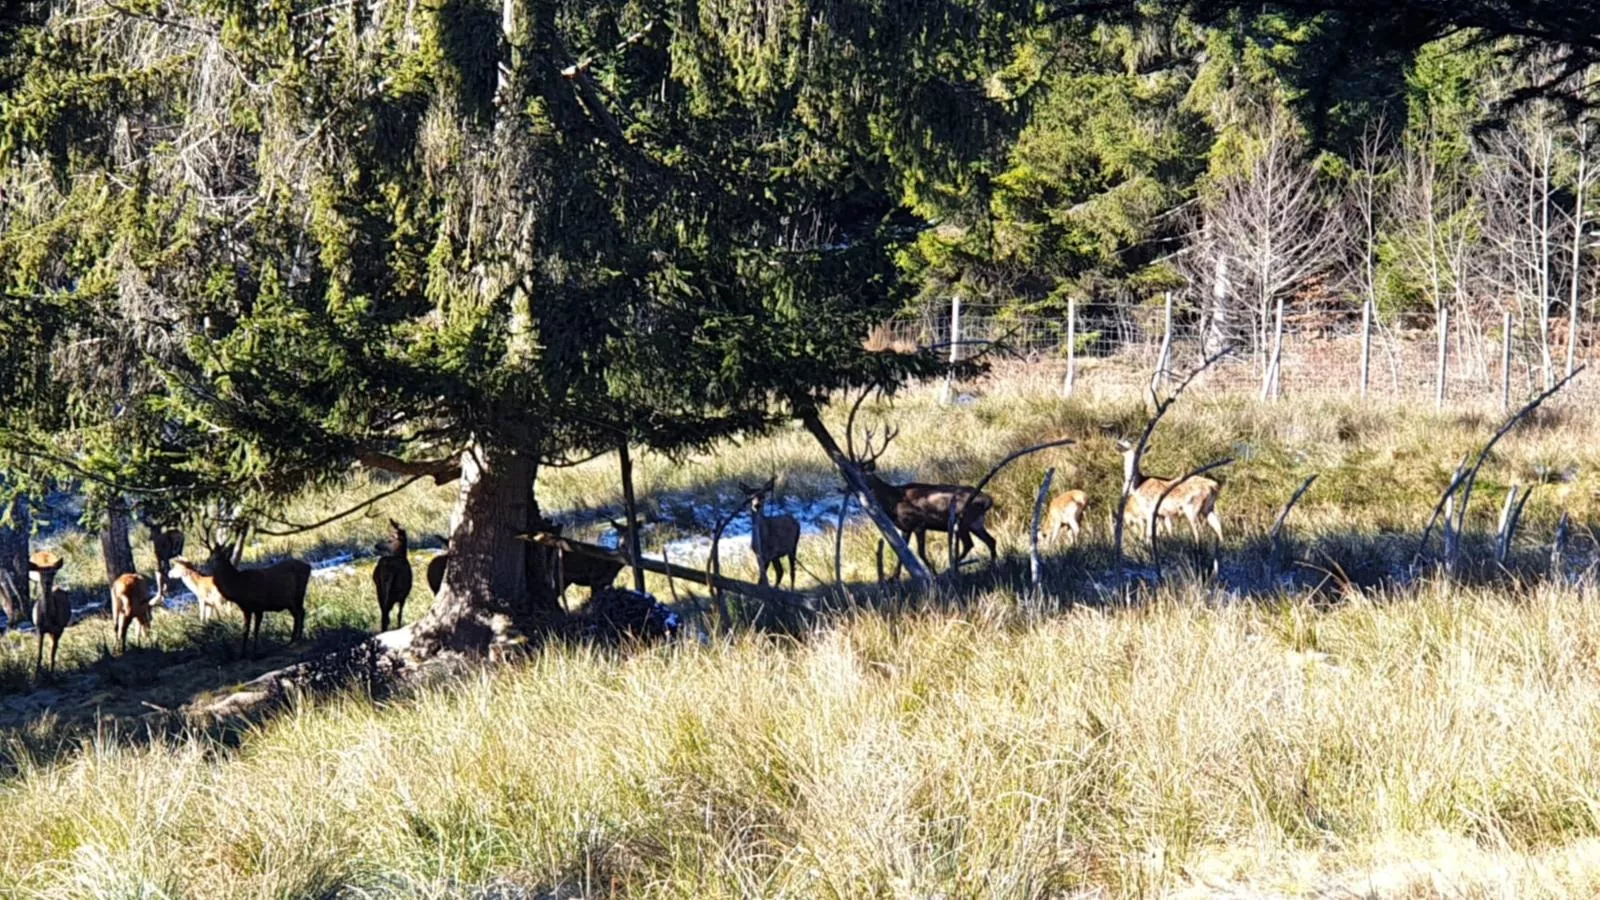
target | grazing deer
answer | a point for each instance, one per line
(919, 508)
(773, 537)
(51, 615)
(203, 586)
(130, 602)
(587, 571)
(1194, 499)
(168, 545)
(436, 568)
(280, 587)
(392, 576)
(1066, 512)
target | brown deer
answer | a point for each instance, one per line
(1195, 499)
(392, 576)
(51, 615)
(130, 602)
(918, 508)
(1066, 512)
(168, 545)
(203, 586)
(42, 567)
(772, 538)
(587, 571)
(280, 587)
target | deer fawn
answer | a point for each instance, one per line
(392, 576)
(1066, 512)
(204, 587)
(919, 508)
(280, 587)
(772, 537)
(130, 602)
(1194, 499)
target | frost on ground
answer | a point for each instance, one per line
(815, 517)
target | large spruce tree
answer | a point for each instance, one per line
(248, 245)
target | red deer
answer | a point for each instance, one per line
(1195, 499)
(586, 571)
(130, 602)
(918, 508)
(772, 538)
(168, 546)
(280, 587)
(42, 567)
(203, 586)
(1066, 512)
(51, 615)
(392, 576)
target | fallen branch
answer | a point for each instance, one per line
(1277, 527)
(1466, 485)
(745, 588)
(958, 509)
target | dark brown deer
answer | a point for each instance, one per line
(918, 508)
(587, 571)
(774, 537)
(392, 576)
(280, 587)
(168, 544)
(42, 567)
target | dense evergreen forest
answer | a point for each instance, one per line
(248, 245)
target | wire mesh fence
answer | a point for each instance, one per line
(1119, 349)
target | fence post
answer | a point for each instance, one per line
(1444, 356)
(1366, 346)
(1072, 348)
(1505, 364)
(1164, 360)
(955, 350)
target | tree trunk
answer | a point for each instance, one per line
(115, 547)
(491, 571)
(14, 562)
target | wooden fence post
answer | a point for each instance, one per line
(1366, 346)
(1444, 356)
(1072, 348)
(1505, 365)
(955, 350)
(1164, 359)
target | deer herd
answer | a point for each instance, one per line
(914, 508)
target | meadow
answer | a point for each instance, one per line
(1342, 723)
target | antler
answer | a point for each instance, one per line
(850, 424)
(889, 434)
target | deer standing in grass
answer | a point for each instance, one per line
(203, 586)
(436, 567)
(1066, 513)
(130, 602)
(280, 587)
(168, 544)
(392, 576)
(1195, 499)
(918, 508)
(772, 537)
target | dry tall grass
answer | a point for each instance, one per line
(1411, 741)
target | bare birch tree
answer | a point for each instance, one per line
(1272, 228)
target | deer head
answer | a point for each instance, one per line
(757, 496)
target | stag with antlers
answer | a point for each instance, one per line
(917, 508)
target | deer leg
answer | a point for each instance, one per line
(38, 658)
(299, 632)
(399, 614)
(988, 539)
(123, 621)
(55, 644)
(1215, 521)
(922, 549)
(777, 567)
(383, 617)
(1194, 526)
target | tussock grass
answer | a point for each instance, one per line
(977, 751)
(1403, 740)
